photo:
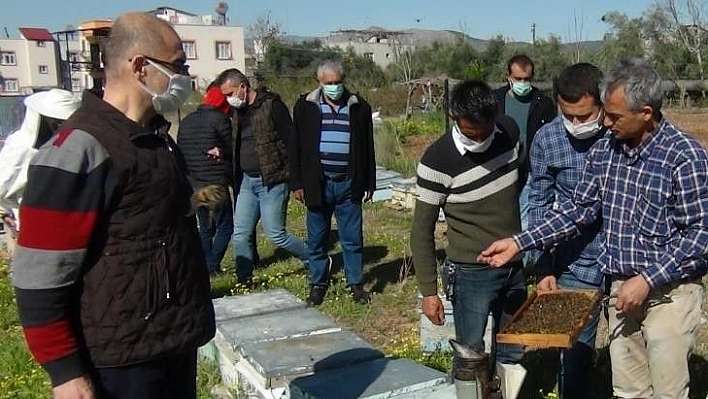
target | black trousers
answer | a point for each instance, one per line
(172, 377)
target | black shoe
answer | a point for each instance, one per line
(360, 296)
(317, 294)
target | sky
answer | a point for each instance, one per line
(478, 18)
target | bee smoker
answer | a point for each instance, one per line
(470, 372)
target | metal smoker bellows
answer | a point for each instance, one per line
(470, 372)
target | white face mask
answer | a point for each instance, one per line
(178, 89)
(472, 145)
(235, 101)
(583, 130)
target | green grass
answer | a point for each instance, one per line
(389, 323)
(20, 376)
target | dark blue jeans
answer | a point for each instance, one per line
(171, 377)
(478, 290)
(577, 362)
(216, 233)
(338, 202)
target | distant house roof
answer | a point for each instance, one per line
(36, 34)
(160, 9)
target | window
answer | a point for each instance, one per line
(74, 60)
(223, 50)
(76, 84)
(12, 86)
(190, 50)
(73, 36)
(8, 58)
(369, 56)
(41, 43)
(44, 69)
(195, 83)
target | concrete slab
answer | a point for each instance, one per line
(276, 325)
(273, 362)
(254, 304)
(376, 379)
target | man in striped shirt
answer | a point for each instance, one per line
(648, 181)
(332, 170)
(472, 173)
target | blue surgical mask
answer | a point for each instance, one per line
(521, 89)
(333, 92)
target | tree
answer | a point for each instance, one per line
(548, 57)
(577, 37)
(264, 33)
(625, 39)
(494, 60)
(685, 22)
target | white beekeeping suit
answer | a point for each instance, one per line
(22, 144)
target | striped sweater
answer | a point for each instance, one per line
(108, 270)
(478, 192)
(62, 201)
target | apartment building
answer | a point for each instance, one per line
(28, 63)
(210, 45)
(380, 45)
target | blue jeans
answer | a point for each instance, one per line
(479, 289)
(216, 233)
(338, 201)
(577, 362)
(270, 204)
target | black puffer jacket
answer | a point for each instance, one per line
(203, 129)
(144, 285)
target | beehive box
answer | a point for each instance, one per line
(550, 319)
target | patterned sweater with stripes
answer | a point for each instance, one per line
(478, 192)
(108, 269)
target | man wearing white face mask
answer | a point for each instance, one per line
(261, 129)
(118, 306)
(473, 174)
(558, 156)
(528, 107)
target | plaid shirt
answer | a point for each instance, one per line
(557, 161)
(653, 201)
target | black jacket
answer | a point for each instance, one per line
(304, 148)
(144, 285)
(541, 111)
(272, 127)
(203, 129)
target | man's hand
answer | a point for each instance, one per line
(434, 309)
(548, 283)
(78, 388)
(499, 253)
(632, 294)
(299, 195)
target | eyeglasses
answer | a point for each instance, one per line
(177, 67)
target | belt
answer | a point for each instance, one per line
(336, 178)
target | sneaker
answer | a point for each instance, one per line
(359, 295)
(317, 294)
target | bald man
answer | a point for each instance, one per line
(112, 289)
